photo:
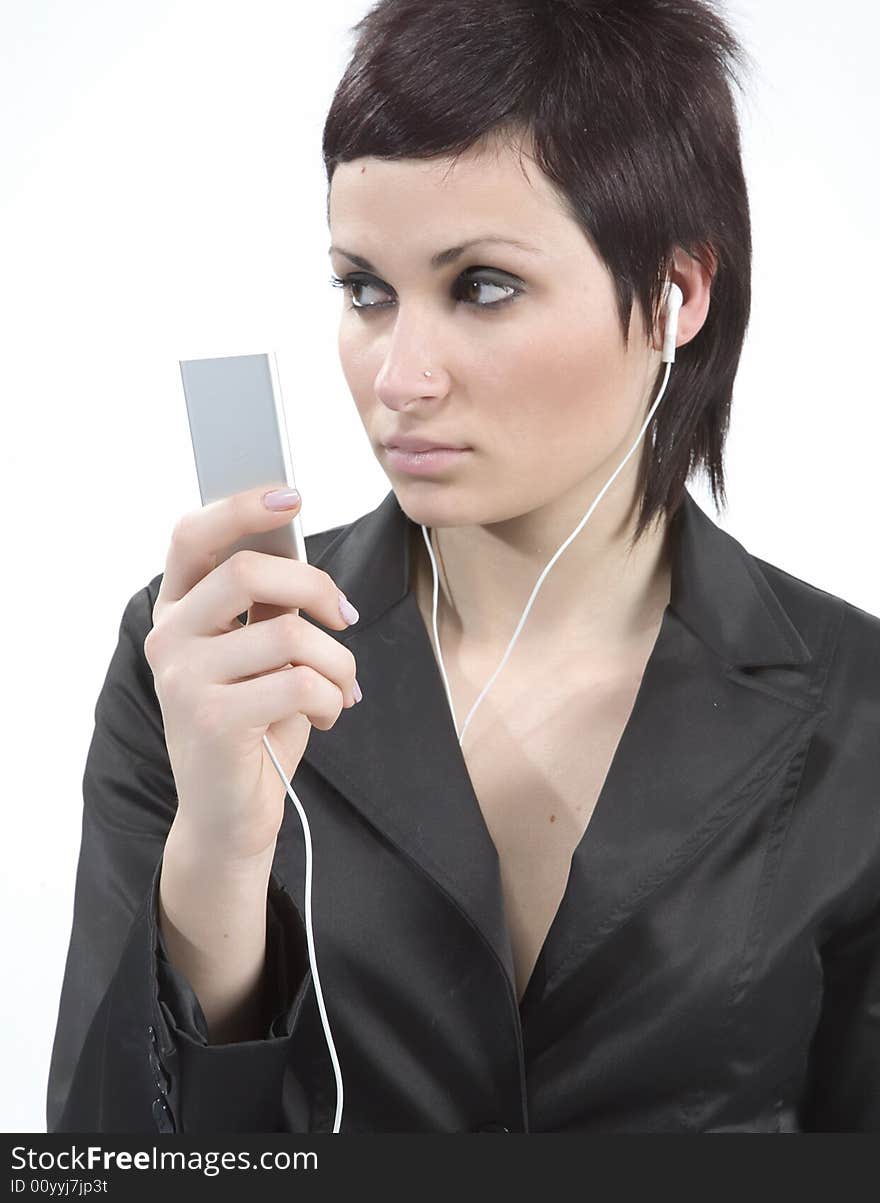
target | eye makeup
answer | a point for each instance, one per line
(480, 277)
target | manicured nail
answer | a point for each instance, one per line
(346, 609)
(357, 691)
(281, 499)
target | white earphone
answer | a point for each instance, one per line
(673, 301)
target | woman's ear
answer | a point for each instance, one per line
(694, 277)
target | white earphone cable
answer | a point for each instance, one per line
(313, 962)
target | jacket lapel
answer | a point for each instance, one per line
(709, 736)
(704, 741)
(396, 756)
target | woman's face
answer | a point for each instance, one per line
(527, 362)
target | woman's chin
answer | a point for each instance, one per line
(430, 512)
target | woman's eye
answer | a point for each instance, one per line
(353, 285)
(465, 287)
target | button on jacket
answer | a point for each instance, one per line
(714, 964)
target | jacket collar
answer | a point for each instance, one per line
(705, 741)
(716, 589)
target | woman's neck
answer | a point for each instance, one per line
(597, 604)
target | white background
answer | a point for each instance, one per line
(162, 196)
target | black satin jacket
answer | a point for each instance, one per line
(714, 965)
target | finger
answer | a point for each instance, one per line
(201, 535)
(212, 605)
(277, 696)
(272, 645)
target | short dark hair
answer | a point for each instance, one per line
(629, 107)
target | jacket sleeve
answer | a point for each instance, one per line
(130, 1052)
(843, 1093)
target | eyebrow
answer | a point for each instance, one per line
(442, 258)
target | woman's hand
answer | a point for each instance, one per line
(221, 686)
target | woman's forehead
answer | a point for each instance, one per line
(474, 197)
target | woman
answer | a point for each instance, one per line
(635, 886)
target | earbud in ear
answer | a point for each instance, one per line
(674, 300)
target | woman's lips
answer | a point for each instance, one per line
(425, 463)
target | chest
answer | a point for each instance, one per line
(538, 750)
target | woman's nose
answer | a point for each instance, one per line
(407, 373)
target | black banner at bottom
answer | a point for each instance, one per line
(130, 1168)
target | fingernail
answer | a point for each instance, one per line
(281, 499)
(357, 691)
(346, 609)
